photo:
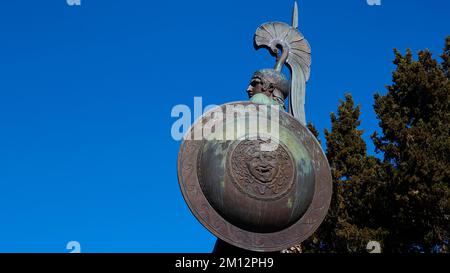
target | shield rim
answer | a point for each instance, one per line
(260, 242)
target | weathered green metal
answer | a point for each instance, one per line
(260, 190)
(251, 198)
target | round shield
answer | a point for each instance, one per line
(254, 176)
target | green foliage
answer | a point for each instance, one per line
(313, 130)
(348, 226)
(446, 58)
(415, 120)
(402, 201)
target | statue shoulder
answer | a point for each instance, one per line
(263, 99)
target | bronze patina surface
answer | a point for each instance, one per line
(253, 199)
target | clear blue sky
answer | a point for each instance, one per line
(86, 94)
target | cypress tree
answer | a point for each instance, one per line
(348, 226)
(414, 117)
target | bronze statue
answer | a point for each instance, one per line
(251, 197)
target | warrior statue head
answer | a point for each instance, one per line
(270, 86)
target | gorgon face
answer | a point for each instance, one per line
(263, 166)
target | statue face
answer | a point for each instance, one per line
(263, 166)
(255, 87)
